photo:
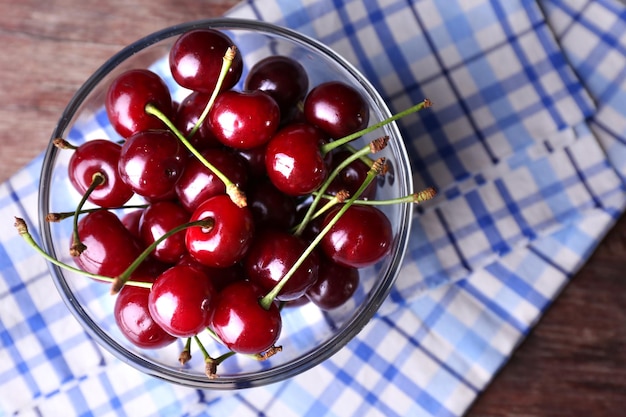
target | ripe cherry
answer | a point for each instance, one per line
(181, 301)
(195, 60)
(111, 248)
(240, 321)
(198, 183)
(351, 177)
(282, 77)
(151, 162)
(334, 286)
(270, 207)
(293, 159)
(244, 119)
(336, 108)
(127, 97)
(187, 116)
(272, 255)
(159, 218)
(228, 240)
(133, 318)
(360, 238)
(99, 156)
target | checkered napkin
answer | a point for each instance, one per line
(527, 146)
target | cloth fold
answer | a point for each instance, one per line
(527, 145)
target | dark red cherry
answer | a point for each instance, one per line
(240, 321)
(244, 119)
(272, 254)
(134, 320)
(198, 183)
(220, 277)
(271, 207)
(181, 301)
(351, 177)
(195, 60)
(99, 156)
(131, 221)
(228, 240)
(255, 158)
(337, 108)
(188, 114)
(111, 248)
(293, 159)
(282, 77)
(334, 286)
(151, 162)
(361, 237)
(158, 219)
(127, 97)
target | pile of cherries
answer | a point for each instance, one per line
(252, 200)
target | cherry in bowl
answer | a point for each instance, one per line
(309, 333)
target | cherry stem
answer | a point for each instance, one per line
(227, 61)
(375, 146)
(77, 246)
(57, 217)
(235, 194)
(22, 229)
(378, 167)
(61, 143)
(418, 197)
(185, 354)
(340, 142)
(120, 280)
(210, 363)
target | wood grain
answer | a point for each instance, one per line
(49, 48)
(572, 364)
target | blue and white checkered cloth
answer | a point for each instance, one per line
(527, 145)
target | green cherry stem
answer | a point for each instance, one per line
(227, 61)
(378, 167)
(210, 363)
(375, 146)
(120, 280)
(340, 142)
(77, 246)
(57, 217)
(22, 229)
(235, 194)
(185, 354)
(418, 197)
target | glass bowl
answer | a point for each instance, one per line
(309, 335)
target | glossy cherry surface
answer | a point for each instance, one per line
(240, 321)
(334, 286)
(127, 97)
(228, 240)
(197, 183)
(99, 156)
(151, 162)
(181, 301)
(271, 256)
(282, 77)
(111, 248)
(336, 108)
(187, 115)
(244, 119)
(134, 320)
(293, 159)
(360, 238)
(195, 60)
(159, 218)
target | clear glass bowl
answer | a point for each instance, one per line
(309, 336)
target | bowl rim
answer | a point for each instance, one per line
(265, 376)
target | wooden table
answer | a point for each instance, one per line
(572, 364)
